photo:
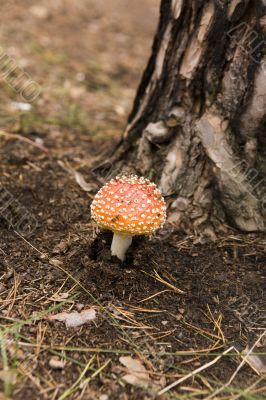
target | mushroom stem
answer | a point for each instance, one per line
(120, 244)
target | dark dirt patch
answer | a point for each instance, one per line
(218, 280)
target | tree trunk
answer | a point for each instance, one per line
(197, 126)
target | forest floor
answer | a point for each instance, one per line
(176, 304)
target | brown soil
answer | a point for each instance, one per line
(61, 265)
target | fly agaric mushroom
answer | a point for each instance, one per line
(128, 206)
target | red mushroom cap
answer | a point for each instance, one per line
(129, 205)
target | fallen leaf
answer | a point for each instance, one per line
(75, 318)
(61, 247)
(39, 12)
(258, 363)
(87, 187)
(20, 106)
(60, 296)
(137, 373)
(76, 92)
(56, 363)
(9, 376)
(55, 262)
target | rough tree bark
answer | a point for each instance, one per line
(198, 122)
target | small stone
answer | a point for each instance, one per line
(56, 363)
(39, 12)
(80, 76)
(120, 110)
(103, 397)
(79, 306)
